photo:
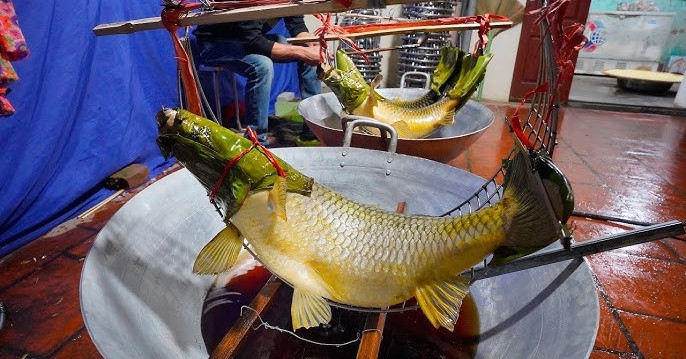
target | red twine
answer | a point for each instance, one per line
(255, 143)
(328, 28)
(340, 31)
(170, 17)
(567, 41)
(515, 122)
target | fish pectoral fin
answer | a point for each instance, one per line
(403, 129)
(309, 310)
(277, 197)
(220, 254)
(441, 301)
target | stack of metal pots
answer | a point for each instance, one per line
(372, 68)
(425, 57)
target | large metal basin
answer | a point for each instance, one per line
(322, 113)
(140, 300)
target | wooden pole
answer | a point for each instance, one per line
(246, 322)
(250, 13)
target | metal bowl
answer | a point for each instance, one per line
(139, 298)
(644, 86)
(644, 81)
(322, 113)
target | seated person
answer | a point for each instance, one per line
(245, 49)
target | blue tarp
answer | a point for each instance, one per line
(85, 108)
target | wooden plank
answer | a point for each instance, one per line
(246, 322)
(404, 30)
(251, 13)
(370, 343)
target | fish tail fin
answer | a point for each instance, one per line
(471, 73)
(533, 224)
(448, 64)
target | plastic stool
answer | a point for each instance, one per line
(215, 84)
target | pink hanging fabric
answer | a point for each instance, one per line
(12, 48)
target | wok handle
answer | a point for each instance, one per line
(427, 78)
(350, 122)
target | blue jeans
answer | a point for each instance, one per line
(259, 71)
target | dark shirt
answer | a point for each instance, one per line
(249, 33)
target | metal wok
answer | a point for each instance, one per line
(139, 298)
(322, 113)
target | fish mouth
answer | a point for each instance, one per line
(173, 129)
(346, 81)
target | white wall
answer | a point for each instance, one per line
(499, 74)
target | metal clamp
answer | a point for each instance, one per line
(427, 78)
(351, 121)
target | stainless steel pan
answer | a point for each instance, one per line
(139, 298)
(322, 114)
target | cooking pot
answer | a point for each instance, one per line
(139, 298)
(323, 115)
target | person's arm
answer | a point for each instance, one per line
(308, 53)
(285, 52)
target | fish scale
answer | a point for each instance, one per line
(383, 245)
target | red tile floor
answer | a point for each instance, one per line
(624, 165)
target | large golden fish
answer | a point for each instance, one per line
(330, 247)
(457, 77)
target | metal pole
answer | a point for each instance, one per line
(637, 236)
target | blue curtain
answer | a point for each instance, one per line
(85, 108)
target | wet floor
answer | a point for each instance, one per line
(625, 165)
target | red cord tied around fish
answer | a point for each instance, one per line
(229, 165)
(328, 28)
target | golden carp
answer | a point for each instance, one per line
(457, 75)
(329, 247)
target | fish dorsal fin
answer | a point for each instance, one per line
(277, 197)
(309, 310)
(220, 254)
(441, 301)
(376, 82)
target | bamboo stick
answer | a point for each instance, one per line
(402, 30)
(239, 331)
(99, 205)
(251, 13)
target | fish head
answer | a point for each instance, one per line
(223, 161)
(204, 149)
(346, 81)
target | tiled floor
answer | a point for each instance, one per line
(624, 165)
